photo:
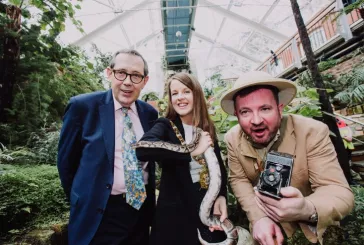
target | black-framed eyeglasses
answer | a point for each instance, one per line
(122, 75)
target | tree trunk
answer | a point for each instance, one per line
(321, 90)
(9, 57)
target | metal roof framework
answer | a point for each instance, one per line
(175, 33)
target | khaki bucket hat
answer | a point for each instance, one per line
(287, 89)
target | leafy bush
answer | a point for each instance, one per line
(45, 144)
(306, 103)
(151, 96)
(324, 65)
(352, 90)
(30, 196)
(40, 148)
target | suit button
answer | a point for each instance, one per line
(100, 210)
(108, 186)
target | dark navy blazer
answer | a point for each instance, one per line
(86, 160)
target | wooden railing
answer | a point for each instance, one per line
(322, 29)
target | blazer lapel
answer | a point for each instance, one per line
(107, 119)
(288, 144)
(142, 116)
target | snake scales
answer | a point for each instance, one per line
(235, 235)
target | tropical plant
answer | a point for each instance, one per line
(213, 82)
(151, 96)
(305, 80)
(47, 73)
(30, 196)
(4, 155)
(321, 89)
(358, 4)
(352, 92)
(162, 106)
(306, 103)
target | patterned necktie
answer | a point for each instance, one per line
(134, 183)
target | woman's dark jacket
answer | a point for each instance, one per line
(176, 217)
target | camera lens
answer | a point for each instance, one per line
(271, 177)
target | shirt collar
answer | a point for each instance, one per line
(117, 106)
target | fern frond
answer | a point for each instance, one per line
(358, 94)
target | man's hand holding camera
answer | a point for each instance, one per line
(292, 207)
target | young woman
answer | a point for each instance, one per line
(183, 181)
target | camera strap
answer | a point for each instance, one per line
(262, 156)
(282, 130)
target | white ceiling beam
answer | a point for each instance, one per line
(176, 43)
(270, 10)
(111, 2)
(192, 24)
(233, 50)
(177, 25)
(220, 28)
(107, 26)
(177, 55)
(147, 39)
(125, 34)
(151, 19)
(176, 49)
(111, 7)
(252, 24)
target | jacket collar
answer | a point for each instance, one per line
(143, 115)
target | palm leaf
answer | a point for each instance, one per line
(343, 96)
(358, 94)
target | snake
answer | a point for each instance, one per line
(235, 235)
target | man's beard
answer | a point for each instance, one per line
(271, 136)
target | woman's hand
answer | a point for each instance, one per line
(220, 209)
(205, 142)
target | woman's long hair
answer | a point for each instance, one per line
(200, 115)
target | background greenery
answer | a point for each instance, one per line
(48, 74)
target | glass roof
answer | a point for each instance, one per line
(229, 36)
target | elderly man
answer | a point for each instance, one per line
(112, 194)
(318, 195)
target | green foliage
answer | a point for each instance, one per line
(162, 106)
(41, 148)
(48, 74)
(324, 65)
(45, 144)
(4, 155)
(352, 92)
(30, 195)
(356, 5)
(151, 96)
(306, 103)
(214, 83)
(348, 88)
(53, 14)
(222, 121)
(101, 62)
(305, 80)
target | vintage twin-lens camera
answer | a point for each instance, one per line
(276, 174)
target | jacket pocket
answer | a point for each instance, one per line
(74, 199)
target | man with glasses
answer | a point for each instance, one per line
(111, 193)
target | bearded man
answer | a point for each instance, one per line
(318, 195)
